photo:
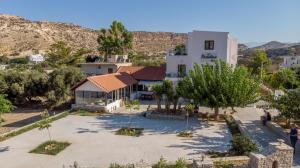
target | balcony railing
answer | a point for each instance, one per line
(176, 53)
(209, 55)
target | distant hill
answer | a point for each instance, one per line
(20, 36)
(274, 48)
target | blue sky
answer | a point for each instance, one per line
(248, 20)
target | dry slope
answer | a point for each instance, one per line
(19, 36)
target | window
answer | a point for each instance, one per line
(109, 70)
(181, 70)
(79, 94)
(209, 45)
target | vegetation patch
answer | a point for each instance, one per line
(187, 134)
(129, 131)
(180, 163)
(86, 113)
(116, 165)
(50, 147)
(242, 145)
(232, 125)
(32, 126)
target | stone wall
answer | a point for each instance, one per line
(277, 155)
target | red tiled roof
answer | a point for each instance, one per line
(151, 73)
(110, 82)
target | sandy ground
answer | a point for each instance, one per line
(14, 120)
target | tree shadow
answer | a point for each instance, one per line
(4, 149)
(85, 130)
(116, 121)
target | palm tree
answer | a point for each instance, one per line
(168, 91)
(158, 93)
(114, 41)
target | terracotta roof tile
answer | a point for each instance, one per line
(110, 82)
(145, 73)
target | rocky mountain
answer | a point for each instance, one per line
(21, 37)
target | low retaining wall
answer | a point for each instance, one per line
(237, 161)
(278, 155)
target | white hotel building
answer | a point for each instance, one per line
(202, 47)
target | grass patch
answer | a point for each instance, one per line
(130, 131)
(50, 147)
(116, 165)
(32, 126)
(186, 134)
(180, 163)
(86, 113)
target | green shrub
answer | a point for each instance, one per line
(242, 145)
(50, 147)
(232, 125)
(86, 113)
(19, 61)
(116, 165)
(162, 163)
(130, 131)
(187, 134)
(223, 164)
(181, 163)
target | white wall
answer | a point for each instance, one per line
(88, 86)
(95, 70)
(225, 48)
(291, 61)
(114, 105)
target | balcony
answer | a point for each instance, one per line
(177, 53)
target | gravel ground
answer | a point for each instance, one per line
(94, 143)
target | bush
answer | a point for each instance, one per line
(50, 147)
(186, 134)
(180, 163)
(241, 145)
(223, 164)
(162, 163)
(116, 165)
(19, 61)
(130, 131)
(232, 125)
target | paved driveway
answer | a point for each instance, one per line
(94, 143)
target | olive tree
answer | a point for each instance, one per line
(288, 105)
(5, 106)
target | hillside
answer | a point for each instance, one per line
(274, 48)
(20, 36)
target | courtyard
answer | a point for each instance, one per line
(94, 143)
